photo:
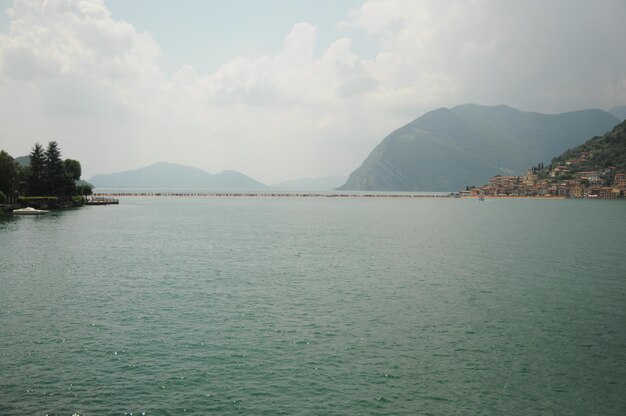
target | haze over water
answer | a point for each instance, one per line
(316, 307)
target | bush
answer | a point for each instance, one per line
(78, 201)
(39, 202)
(3, 198)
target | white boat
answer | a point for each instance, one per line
(29, 211)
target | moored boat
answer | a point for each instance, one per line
(29, 211)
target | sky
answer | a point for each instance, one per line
(281, 89)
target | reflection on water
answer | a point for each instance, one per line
(6, 219)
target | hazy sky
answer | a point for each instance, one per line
(285, 89)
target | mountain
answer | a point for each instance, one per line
(170, 175)
(447, 149)
(23, 161)
(619, 112)
(326, 183)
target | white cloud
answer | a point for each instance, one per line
(543, 56)
(300, 44)
(79, 38)
(77, 55)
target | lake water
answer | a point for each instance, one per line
(315, 306)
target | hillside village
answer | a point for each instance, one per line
(595, 169)
(585, 184)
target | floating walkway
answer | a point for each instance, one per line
(111, 195)
(107, 198)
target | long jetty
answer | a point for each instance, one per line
(266, 195)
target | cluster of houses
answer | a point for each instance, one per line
(560, 181)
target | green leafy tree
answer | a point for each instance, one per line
(8, 174)
(37, 170)
(84, 189)
(72, 174)
(73, 169)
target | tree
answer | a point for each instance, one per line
(73, 169)
(72, 174)
(48, 174)
(84, 189)
(55, 177)
(23, 173)
(8, 174)
(37, 170)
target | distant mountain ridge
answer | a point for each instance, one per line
(171, 175)
(23, 161)
(619, 112)
(447, 149)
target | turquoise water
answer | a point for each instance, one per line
(324, 306)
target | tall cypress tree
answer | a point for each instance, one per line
(36, 170)
(54, 170)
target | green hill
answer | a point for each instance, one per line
(170, 175)
(597, 154)
(447, 149)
